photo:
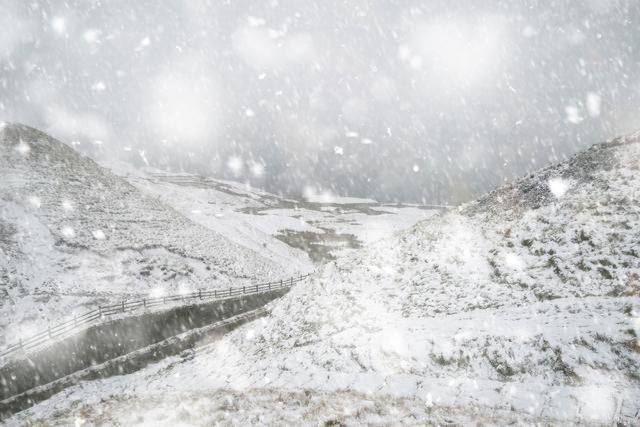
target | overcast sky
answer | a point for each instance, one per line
(397, 100)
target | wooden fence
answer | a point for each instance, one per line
(102, 313)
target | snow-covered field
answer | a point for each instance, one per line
(320, 228)
(522, 306)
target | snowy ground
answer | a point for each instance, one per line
(523, 306)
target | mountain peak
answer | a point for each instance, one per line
(539, 188)
(11, 130)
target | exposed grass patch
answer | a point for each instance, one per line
(582, 266)
(605, 273)
(526, 242)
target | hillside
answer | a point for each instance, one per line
(282, 229)
(72, 234)
(521, 306)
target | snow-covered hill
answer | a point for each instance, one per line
(523, 305)
(282, 229)
(72, 234)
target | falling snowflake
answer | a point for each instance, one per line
(58, 24)
(558, 187)
(35, 201)
(23, 148)
(573, 114)
(514, 262)
(143, 43)
(157, 292)
(99, 86)
(593, 104)
(67, 205)
(91, 36)
(257, 169)
(68, 232)
(235, 164)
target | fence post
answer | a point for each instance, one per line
(100, 310)
(280, 282)
(256, 288)
(144, 302)
(229, 290)
(243, 290)
(292, 281)
(215, 293)
(199, 293)
(123, 306)
(269, 285)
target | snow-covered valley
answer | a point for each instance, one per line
(308, 231)
(74, 235)
(522, 306)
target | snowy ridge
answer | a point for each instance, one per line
(73, 234)
(525, 317)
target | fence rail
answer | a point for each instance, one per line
(97, 315)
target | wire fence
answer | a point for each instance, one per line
(103, 312)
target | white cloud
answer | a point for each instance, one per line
(13, 29)
(183, 104)
(72, 125)
(355, 111)
(456, 52)
(383, 89)
(264, 48)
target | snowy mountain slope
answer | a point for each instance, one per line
(524, 306)
(73, 234)
(278, 228)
